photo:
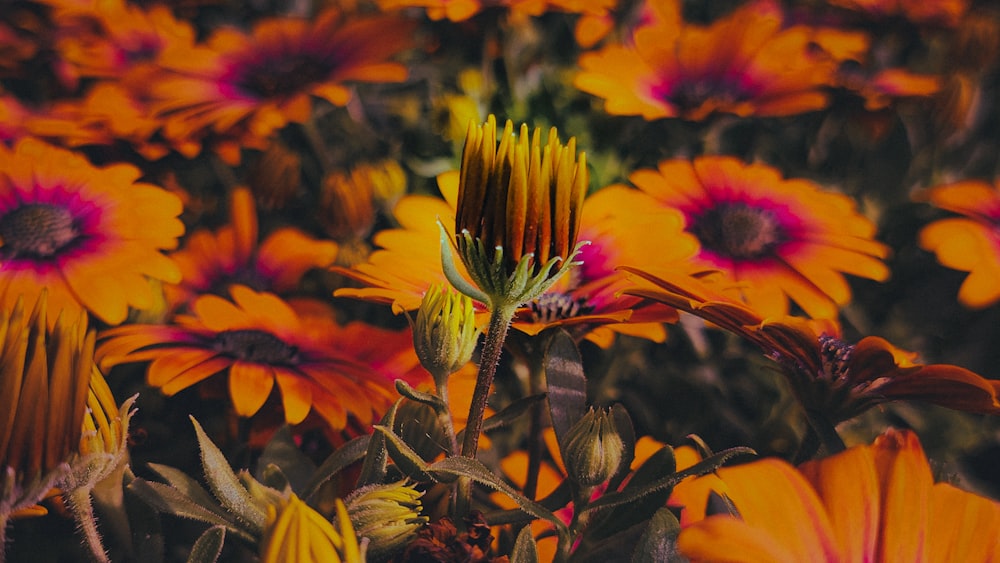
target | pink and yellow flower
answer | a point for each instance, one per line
(779, 239)
(747, 63)
(869, 503)
(970, 243)
(91, 236)
(260, 342)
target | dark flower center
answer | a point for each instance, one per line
(691, 94)
(836, 354)
(551, 307)
(256, 346)
(738, 231)
(283, 75)
(36, 230)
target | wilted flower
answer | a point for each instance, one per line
(441, 542)
(388, 515)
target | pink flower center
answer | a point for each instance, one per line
(36, 230)
(256, 346)
(738, 231)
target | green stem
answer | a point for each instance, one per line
(444, 415)
(500, 318)
(826, 432)
(83, 512)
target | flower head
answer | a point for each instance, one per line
(970, 243)
(828, 375)
(518, 212)
(388, 515)
(747, 63)
(593, 449)
(869, 503)
(91, 236)
(259, 342)
(211, 262)
(778, 238)
(294, 531)
(252, 84)
(445, 332)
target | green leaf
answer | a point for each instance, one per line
(525, 550)
(145, 526)
(188, 487)
(408, 461)
(511, 412)
(432, 401)
(473, 469)
(225, 485)
(345, 455)
(705, 466)
(566, 383)
(171, 501)
(658, 543)
(373, 469)
(209, 546)
(282, 452)
(621, 517)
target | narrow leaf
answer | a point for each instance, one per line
(700, 468)
(473, 469)
(145, 526)
(566, 383)
(373, 469)
(511, 412)
(168, 500)
(225, 485)
(408, 461)
(345, 455)
(621, 517)
(525, 550)
(433, 401)
(188, 487)
(209, 546)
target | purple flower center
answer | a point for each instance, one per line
(836, 355)
(36, 230)
(284, 75)
(256, 346)
(689, 94)
(551, 307)
(738, 231)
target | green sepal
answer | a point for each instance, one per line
(226, 486)
(373, 470)
(433, 401)
(450, 272)
(208, 547)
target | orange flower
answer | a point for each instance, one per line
(745, 64)
(460, 10)
(211, 262)
(252, 84)
(258, 340)
(92, 236)
(828, 375)
(970, 243)
(777, 238)
(619, 225)
(869, 503)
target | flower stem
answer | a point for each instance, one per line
(500, 318)
(83, 511)
(444, 415)
(826, 432)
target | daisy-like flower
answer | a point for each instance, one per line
(461, 10)
(869, 503)
(746, 63)
(249, 85)
(830, 377)
(931, 12)
(778, 238)
(622, 226)
(211, 261)
(970, 243)
(91, 236)
(259, 341)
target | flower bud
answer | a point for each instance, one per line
(445, 333)
(592, 450)
(388, 515)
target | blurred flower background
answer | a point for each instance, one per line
(789, 223)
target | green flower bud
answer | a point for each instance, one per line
(388, 515)
(593, 449)
(445, 333)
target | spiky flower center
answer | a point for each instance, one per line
(738, 231)
(37, 230)
(257, 346)
(551, 307)
(836, 356)
(285, 75)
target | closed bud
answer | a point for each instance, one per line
(388, 515)
(592, 450)
(445, 333)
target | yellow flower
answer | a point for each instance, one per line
(296, 532)
(518, 213)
